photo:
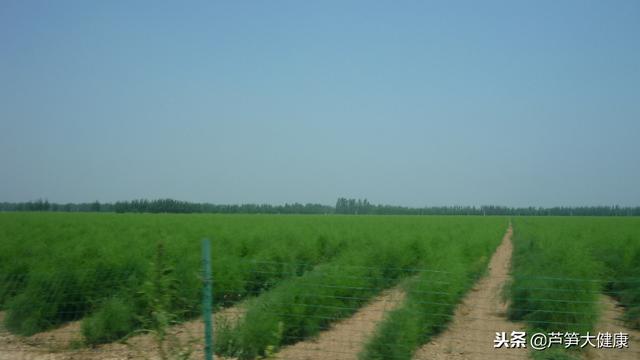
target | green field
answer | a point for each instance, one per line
(562, 265)
(62, 267)
(455, 249)
(298, 274)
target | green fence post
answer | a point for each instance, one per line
(207, 294)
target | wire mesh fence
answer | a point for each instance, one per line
(290, 310)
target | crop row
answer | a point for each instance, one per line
(56, 268)
(454, 251)
(562, 267)
(102, 268)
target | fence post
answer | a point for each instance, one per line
(207, 293)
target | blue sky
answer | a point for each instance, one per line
(414, 103)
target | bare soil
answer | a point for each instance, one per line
(345, 339)
(58, 344)
(610, 321)
(481, 314)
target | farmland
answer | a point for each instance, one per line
(58, 268)
(296, 276)
(563, 266)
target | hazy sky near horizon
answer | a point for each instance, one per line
(415, 103)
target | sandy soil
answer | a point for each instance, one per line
(610, 321)
(344, 340)
(481, 314)
(55, 344)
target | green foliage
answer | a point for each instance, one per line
(616, 243)
(432, 295)
(57, 267)
(114, 320)
(159, 295)
(28, 315)
(301, 307)
(315, 270)
(47, 300)
(154, 307)
(562, 265)
(12, 282)
(550, 289)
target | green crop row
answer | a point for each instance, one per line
(561, 266)
(616, 243)
(60, 267)
(100, 268)
(300, 308)
(432, 295)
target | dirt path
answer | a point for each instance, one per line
(345, 339)
(55, 344)
(480, 315)
(610, 321)
(54, 340)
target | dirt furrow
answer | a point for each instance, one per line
(611, 321)
(345, 339)
(56, 344)
(481, 314)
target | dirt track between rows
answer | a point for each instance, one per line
(610, 321)
(55, 344)
(481, 314)
(344, 340)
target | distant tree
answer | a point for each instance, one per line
(342, 206)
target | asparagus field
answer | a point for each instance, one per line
(563, 267)
(99, 268)
(289, 279)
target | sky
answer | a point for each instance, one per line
(516, 103)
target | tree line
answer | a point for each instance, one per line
(176, 206)
(45, 205)
(342, 206)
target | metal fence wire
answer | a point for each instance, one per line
(287, 310)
